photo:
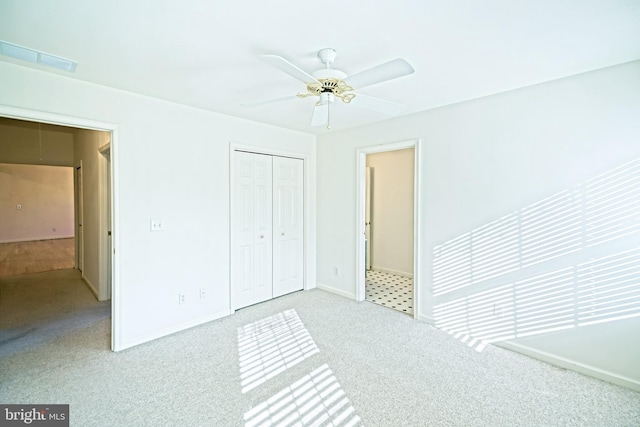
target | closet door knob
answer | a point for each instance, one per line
(282, 233)
(262, 236)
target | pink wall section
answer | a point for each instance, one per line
(36, 202)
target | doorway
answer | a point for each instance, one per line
(387, 250)
(90, 250)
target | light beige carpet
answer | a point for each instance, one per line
(309, 358)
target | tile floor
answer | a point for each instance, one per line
(390, 290)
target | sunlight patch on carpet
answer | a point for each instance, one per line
(270, 346)
(315, 399)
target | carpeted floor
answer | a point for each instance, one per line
(303, 359)
(36, 256)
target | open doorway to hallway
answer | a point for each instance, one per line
(387, 214)
(45, 251)
(389, 229)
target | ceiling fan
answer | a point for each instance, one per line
(329, 83)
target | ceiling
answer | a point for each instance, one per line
(204, 53)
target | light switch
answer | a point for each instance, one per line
(156, 225)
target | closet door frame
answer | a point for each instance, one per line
(308, 255)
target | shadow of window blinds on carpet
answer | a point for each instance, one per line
(274, 344)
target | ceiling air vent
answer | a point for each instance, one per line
(37, 57)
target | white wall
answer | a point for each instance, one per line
(45, 195)
(392, 210)
(493, 157)
(171, 163)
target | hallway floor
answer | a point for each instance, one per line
(390, 290)
(18, 258)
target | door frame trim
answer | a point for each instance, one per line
(308, 254)
(361, 162)
(113, 128)
(78, 196)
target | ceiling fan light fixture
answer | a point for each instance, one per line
(326, 98)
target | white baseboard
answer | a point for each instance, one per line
(572, 365)
(36, 239)
(92, 288)
(172, 330)
(396, 272)
(336, 291)
(426, 319)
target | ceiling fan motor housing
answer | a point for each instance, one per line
(329, 73)
(330, 80)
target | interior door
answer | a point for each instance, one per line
(109, 251)
(252, 262)
(288, 247)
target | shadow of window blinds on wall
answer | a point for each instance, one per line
(570, 260)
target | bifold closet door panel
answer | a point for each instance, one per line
(253, 223)
(288, 230)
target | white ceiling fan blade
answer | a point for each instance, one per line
(381, 73)
(379, 105)
(320, 115)
(267, 101)
(283, 65)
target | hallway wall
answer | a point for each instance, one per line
(392, 211)
(35, 143)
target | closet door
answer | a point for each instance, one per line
(252, 261)
(288, 246)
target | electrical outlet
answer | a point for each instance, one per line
(336, 271)
(499, 310)
(156, 225)
(182, 298)
(53, 229)
(203, 293)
